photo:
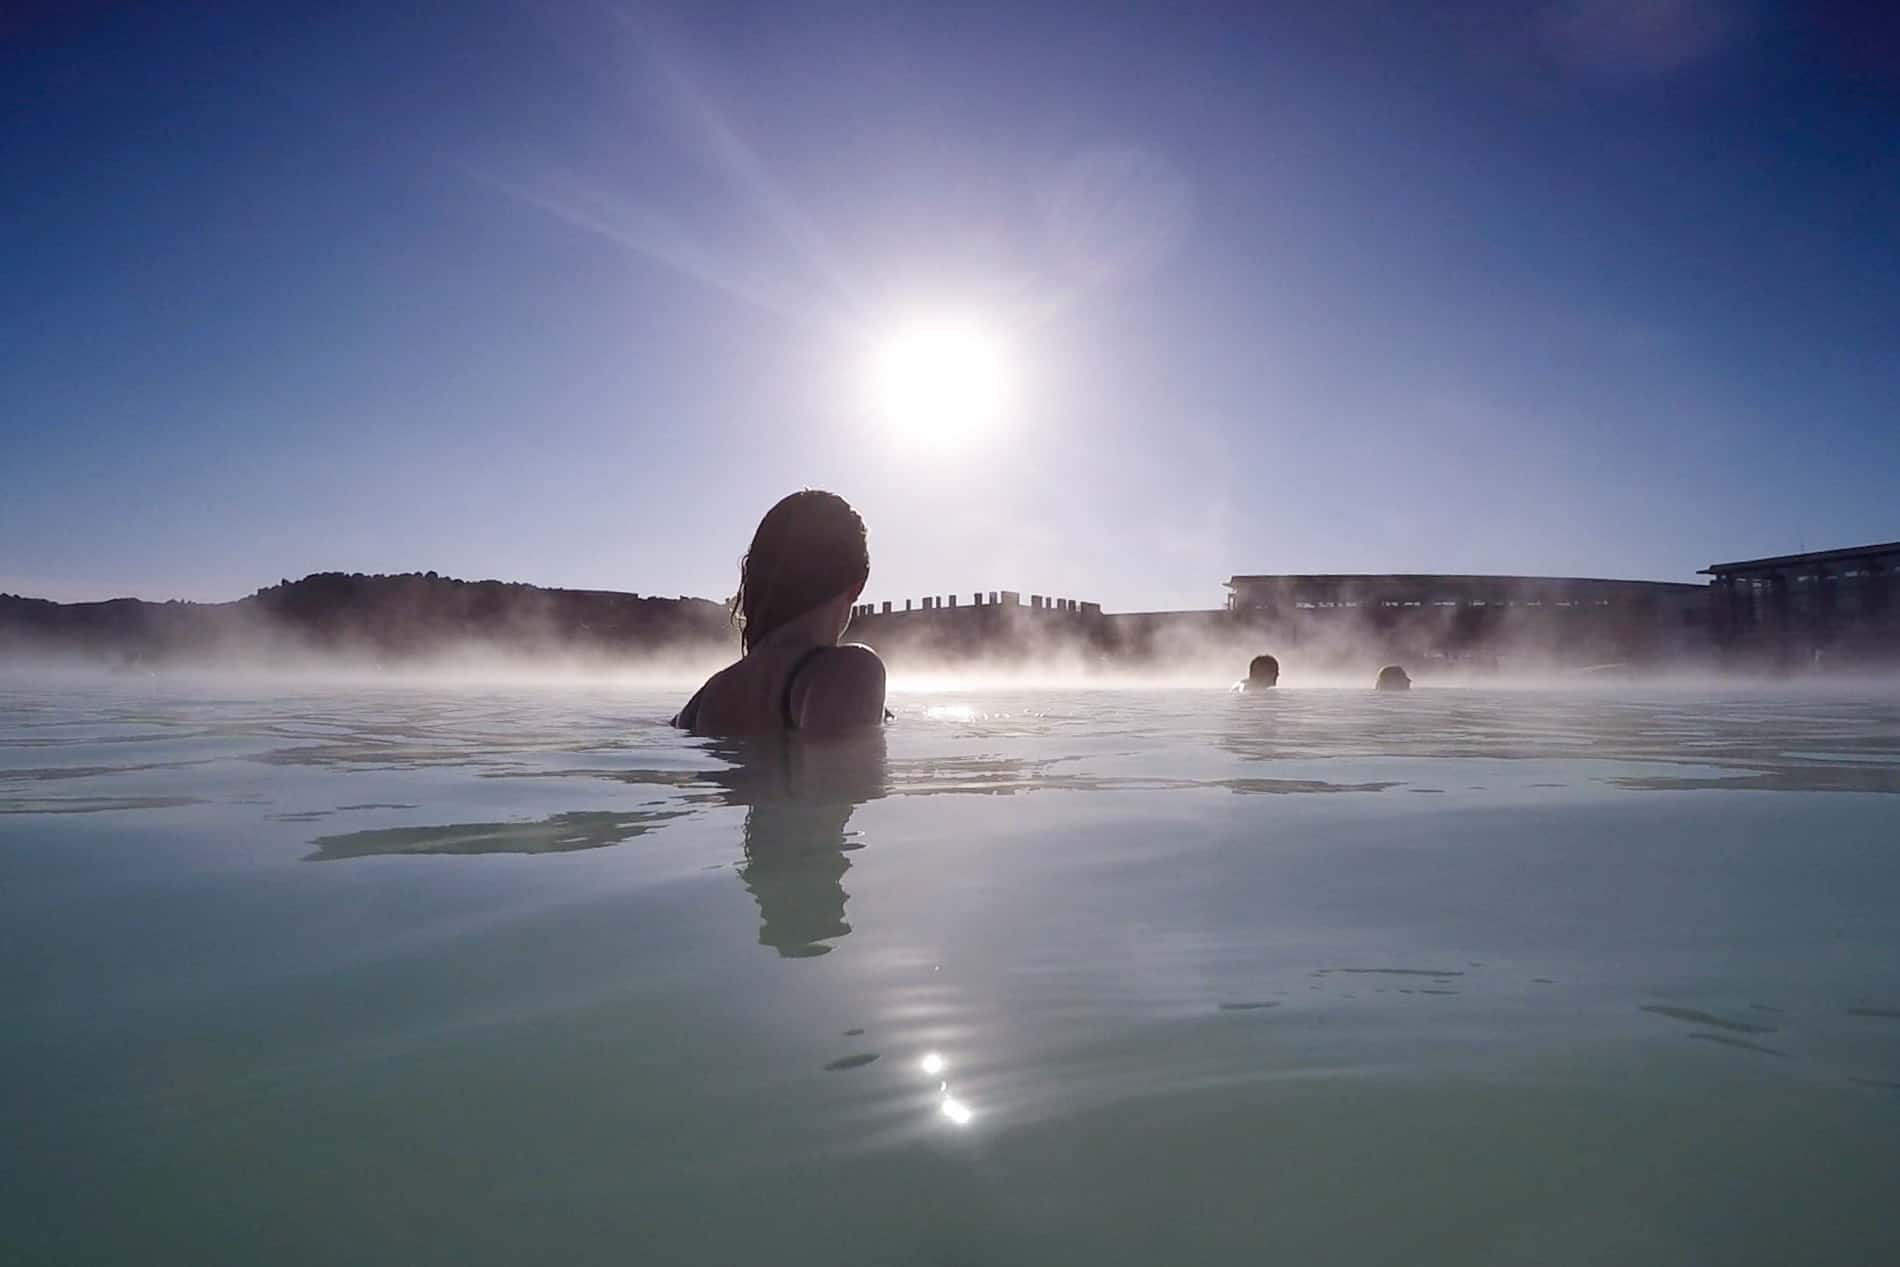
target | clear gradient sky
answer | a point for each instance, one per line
(570, 293)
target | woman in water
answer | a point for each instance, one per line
(797, 583)
(1262, 672)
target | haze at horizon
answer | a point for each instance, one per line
(570, 294)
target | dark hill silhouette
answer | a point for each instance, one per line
(410, 616)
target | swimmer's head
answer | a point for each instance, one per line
(1392, 678)
(1263, 671)
(809, 550)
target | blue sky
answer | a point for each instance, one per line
(570, 294)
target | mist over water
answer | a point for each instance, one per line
(334, 970)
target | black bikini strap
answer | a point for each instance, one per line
(785, 697)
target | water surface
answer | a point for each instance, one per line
(1459, 976)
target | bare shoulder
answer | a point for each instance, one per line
(843, 690)
(852, 662)
(708, 701)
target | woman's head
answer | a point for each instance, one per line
(809, 550)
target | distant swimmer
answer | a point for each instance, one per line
(1392, 678)
(1262, 672)
(797, 584)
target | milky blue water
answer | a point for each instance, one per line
(1319, 976)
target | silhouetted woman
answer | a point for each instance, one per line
(797, 583)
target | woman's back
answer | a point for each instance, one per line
(789, 685)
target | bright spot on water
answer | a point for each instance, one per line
(956, 1110)
(933, 1063)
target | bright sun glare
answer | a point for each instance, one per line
(940, 384)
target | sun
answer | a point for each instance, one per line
(940, 384)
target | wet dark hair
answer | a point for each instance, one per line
(1263, 666)
(809, 548)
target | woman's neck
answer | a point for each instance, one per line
(819, 626)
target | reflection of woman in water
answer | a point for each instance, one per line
(806, 567)
(799, 799)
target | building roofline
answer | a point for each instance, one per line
(1813, 556)
(1460, 577)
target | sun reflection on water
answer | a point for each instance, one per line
(933, 1063)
